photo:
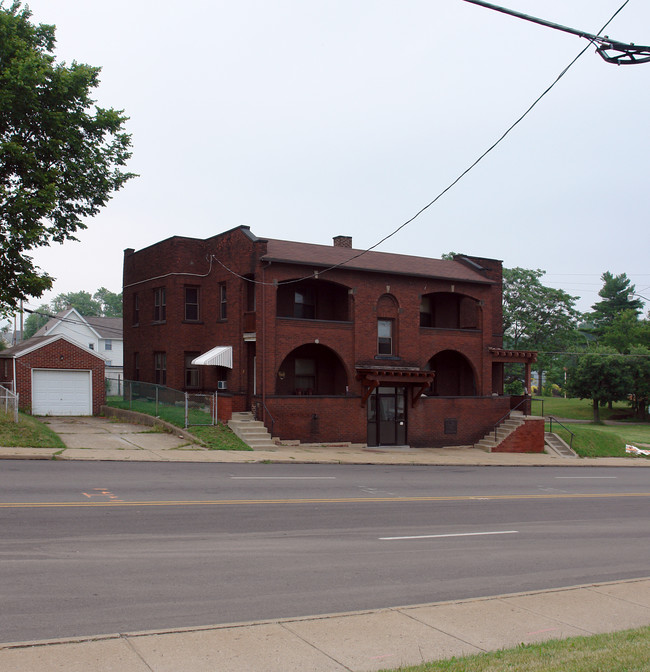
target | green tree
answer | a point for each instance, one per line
(625, 331)
(536, 317)
(602, 375)
(111, 303)
(638, 363)
(82, 302)
(617, 294)
(60, 156)
(35, 320)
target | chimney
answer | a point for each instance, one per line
(343, 241)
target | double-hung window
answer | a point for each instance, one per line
(160, 367)
(192, 371)
(223, 302)
(304, 303)
(159, 305)
(192, 304)
(305, 373)
(385, 337)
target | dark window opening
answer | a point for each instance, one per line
(305, 372)
(223, 302)
(160, 367)
(304, 304)
(192, 304)
(192, 371)
(136, 309)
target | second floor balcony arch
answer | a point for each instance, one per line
(314, 300)
(450, 310)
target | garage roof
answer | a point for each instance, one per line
(36, 342)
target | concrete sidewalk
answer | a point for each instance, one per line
(360, 641)
(103, 439)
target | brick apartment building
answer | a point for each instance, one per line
(326, 343)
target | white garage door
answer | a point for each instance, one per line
(60, 392)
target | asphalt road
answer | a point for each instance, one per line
(91, 548)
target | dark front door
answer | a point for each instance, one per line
(387, 417)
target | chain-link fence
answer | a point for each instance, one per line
(180, 408)
(114, 385)
(9, 403)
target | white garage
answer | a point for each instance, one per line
(61, 392)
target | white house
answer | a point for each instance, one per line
(101, 334)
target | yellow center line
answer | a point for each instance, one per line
(333, 500)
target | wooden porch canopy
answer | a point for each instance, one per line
(525, 357)
(521, 356)
(417, 379)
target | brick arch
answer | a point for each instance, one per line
(312, 368)
(455, 375)
(387, 306)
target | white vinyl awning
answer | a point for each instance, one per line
(219, 356)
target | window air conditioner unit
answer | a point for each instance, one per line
(222, 385)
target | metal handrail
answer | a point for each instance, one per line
(551, 419)
(507, 415)
(266, 411)
(539, 399)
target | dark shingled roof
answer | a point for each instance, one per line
(324, 256)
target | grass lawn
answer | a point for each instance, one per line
(215, 437)
(627, 651)
(580, 409)
(592, 440)
(28, 432)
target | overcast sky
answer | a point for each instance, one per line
(306, 119)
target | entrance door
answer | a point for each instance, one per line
(387, 417)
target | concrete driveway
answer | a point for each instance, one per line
(94, 437)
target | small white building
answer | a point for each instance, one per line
(101, 334)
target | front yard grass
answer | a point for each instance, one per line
(28, 432)
(627, 651)
(604, 440)
(580, 409)
(591, 440)
(215, 437)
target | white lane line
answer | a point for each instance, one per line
(589, 477)
(283, 478)
(441, 536)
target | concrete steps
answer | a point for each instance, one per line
(250, 431)
(492, 439)
(554, 445)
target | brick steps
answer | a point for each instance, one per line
(492, 439)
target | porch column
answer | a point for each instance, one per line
(527, 383)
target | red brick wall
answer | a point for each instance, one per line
(179, 261)
(344, 419)
(528, 438)
(60, 355)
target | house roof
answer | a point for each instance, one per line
(104, 327)
(320, 256)
(36, 342)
